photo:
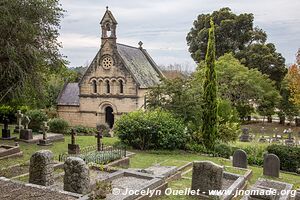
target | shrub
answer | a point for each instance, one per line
(154, 129)
(289, 156)
(37, 118)
(223, 150)
(6, 111)
(85, 130)
(255, 154)
(58, 125)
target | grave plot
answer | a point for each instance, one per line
(261, 187)
(129, 180)
(7, 151)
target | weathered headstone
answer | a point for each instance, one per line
(207, 176)
(26, 134)
(41, 171)
(76, 178)
(99, 136)
(45, 141)
(73, 148)
(5, 131)
(240, 159)
(19, 126)
(245, 137)
(271, 165)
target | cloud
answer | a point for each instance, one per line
(163, 25)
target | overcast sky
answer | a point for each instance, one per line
(162, 25)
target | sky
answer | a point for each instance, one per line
(162, 25)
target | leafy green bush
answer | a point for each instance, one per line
(255, 154)
(37, 118)
(58, 125)
(155, 129)
(85, 130)
(6, 111)
(289, 156)
(223, 150)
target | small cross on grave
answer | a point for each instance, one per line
(290, 140)
(19, 126)
(26, 134)
(5, 131)
(45, 141)
(73, 148)
(262, 138)
(99, 136)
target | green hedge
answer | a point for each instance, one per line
(37, 118)
(58, 125)
(155, 129)
(289, 157)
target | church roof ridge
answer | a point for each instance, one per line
(128, 45)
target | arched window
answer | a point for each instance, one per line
(121, 86)
(94, 83)
(107, 87)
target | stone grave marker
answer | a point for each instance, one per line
(26, 133)
(76, 178)
(207, 176)
(45, 141)
(19, 126)
(41, 171)
(290, 140)
(271, 165)
(99, 136)
(5, 131)
(240, 159)
(245, 137)
(73, 148)
(262, 137)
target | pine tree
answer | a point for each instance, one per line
(210, 108)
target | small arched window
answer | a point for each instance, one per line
(121, 86)
(94, 83)
(107, 87)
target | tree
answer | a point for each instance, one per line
(293, 78)
(236, 34)
(29, 46)
(243, 87)
(298, 57)
(209, 127)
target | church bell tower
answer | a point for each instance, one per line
(108, 26)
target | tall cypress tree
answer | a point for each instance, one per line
(210, 107)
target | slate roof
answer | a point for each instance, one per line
(69, 95)
(141, 65)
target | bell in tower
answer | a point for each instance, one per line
(108, 26)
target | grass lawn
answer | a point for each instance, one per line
(144, 159)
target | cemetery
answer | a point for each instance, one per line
(224, 124)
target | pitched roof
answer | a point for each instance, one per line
(69, 95)
(140, 64)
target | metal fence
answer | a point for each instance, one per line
(90, 154)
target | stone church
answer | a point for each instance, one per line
(115, 82)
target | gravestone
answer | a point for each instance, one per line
(26, 133)
(76, 178)
(45, 141)
(240, 159)
(99, 136)
(19, 126)
(207, 176)
(271, 165)
(290, 140)
(262, 137)
(276, 137)
(5, 131)
(41, 171)
(245, 137)
(73, 148)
